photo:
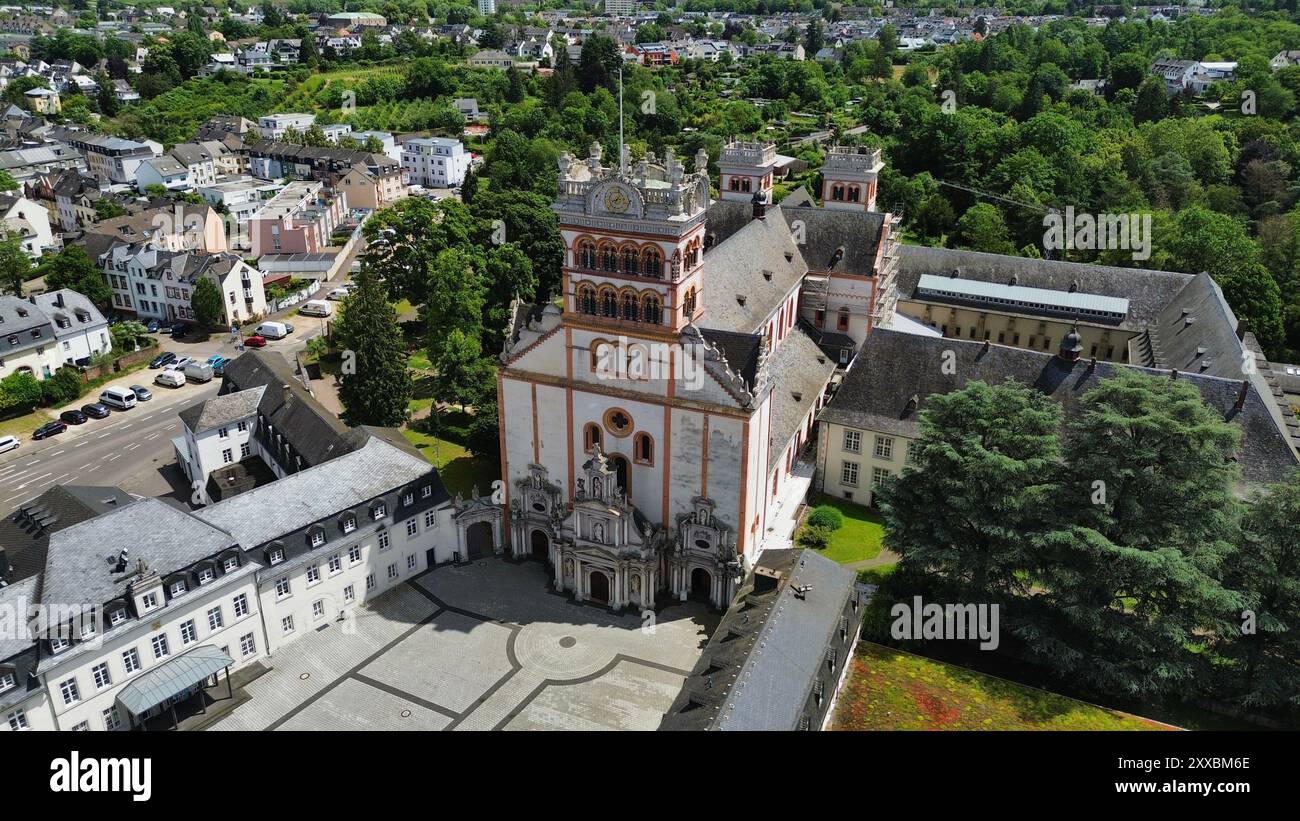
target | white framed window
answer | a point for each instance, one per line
(241, 605)
(317, 538)
(410, 562)
(853, 441)
(282, 587)
(430, 517)
(349, 594)
(17, 720)
(335, 565)
(71, 693)
(349, 524)
(58, 644)
(379, 511)
(426, 491)
(178, 589)
(243, 425)
(131, 660)
(216, 620)
(245, 451)
(227, 456)
(231, 564)
(7, 681)
(189, 633)
(101, 675)
(885, 447)
(412, 527)
(149, 600)
(117, 617)
(392, 571)
(286, 625)
(160, 646)
(370, 581)
(849, 474)
(112, 720)
(82, 726)
(313, 574)
(407, 499)
(88, 627)
(878, 475)
(277, 555)
(247, 645)
(223, 433)
(318, 609)
(354, 553)
(383, 540)
(206, 575)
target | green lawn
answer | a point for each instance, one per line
(459, 470)
(859, 538)
(889, 689)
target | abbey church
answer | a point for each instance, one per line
(671, 393)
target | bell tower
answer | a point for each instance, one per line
(747, 169)
(849, 178)
(634, 243)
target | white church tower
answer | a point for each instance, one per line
(849, 178)
(746, 168)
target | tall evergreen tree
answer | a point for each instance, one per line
(376, 386)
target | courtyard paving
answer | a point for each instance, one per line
(483, 646)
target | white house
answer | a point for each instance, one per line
(435, 162)
(80, 330)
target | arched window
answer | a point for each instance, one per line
(602, 356)
(746, 184)
(654, 263)
(609, 258)
(643, 449)
(590, 436)
(629, 261)
(688, 303)
(854, 193)
(586, 299)
(652, 309)
(837, 193)
(735, 183)
(608, 303)
(587, 255)
(629, 306)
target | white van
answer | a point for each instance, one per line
(316, 307)
(120, 398)
(200, 372)
(170, 379)
(273, 330)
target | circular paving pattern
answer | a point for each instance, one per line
(561, 651)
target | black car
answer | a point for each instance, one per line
(152, 326)
(49, 429)
(179, 330)
(74, 417)
(164, 358)
(96, 411)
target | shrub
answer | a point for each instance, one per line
(19, 393)
(815, 537)
(826, 516)
(63, 386)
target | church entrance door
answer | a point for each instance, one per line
(701, 584)
(540, 546)
(478, 540)
(599, 587)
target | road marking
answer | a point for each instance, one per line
(132, 446)
(85, 466)
(152, 436)
(114, 456)
(34, 479)
(56, 453)
(102, 435)
(79, 444)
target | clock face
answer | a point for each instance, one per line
(616, 200)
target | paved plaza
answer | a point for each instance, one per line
(483, 646)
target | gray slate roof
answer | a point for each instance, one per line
(17, 598)
(759, 263)
(19, 319)
(77, 568)
(797, 366)
(893, 366)
(315, 494)
(25, 532)
(222, 409)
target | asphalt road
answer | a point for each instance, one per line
(130, 448)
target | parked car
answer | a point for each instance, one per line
(170, 379)
(255, 342)
(96, 410)
(274, 330)
(120, 398)
(179, 330)
(218, 363)
(8, 443)
(179, 364)
(142, 393)
(152, 326)
(164, 358)
(315, 307)
(338, 294)
(73, 417)
(49, 429)
(200, 372)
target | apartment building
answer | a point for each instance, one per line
(435, 162)
(110, 159)
(27, 340)
(80, 330)
(299, 219)
(274, 126)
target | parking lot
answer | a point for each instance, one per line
(484, 646)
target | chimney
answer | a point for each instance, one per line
(1242, 327)
(710, 239)
(288, 395)
(1242, 392)
(58, 298)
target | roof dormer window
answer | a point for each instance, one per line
(317, 538)
(348, 523)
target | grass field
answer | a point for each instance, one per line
(460, 471)
(860, 537)
(888, 689)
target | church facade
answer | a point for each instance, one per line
(652, 416)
